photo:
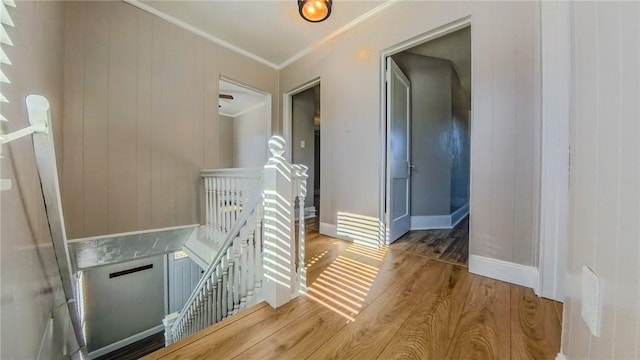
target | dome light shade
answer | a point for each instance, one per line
(314, 10)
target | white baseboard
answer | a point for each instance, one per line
(431, 222)
(504, 271)
(309, 212)
(561, 356)
(328, 229)
(124, 342)
(459, 214)
(439, 221)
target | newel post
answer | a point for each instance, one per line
(279, 227)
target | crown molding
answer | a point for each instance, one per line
(199, 32)
(362, 18)
(343, 29)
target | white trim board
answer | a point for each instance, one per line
(561, 356)
(124, 342)
(309, 212)
(175, 21)
(554, 172)
(504, 270)
(329, 230)
(439, 221)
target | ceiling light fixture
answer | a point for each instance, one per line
(314, 10)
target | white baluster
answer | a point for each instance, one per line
(219, 297)
(237, 244)
(219, 203)
(214, 207)
(234, 201)
(302, 193)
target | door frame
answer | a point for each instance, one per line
(267, 107)
(287, 116)
(382, 146)
(287, 126)
(553, 233)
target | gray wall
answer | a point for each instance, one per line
(460, 144)
(506, 116)
(226, 142)
(250, 136)
(139, 117)
(31, 289)
(431, 113)
(604, 229)
(303, 111)
(120, 307)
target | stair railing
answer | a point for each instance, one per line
(225, 193)
(253, 211)
(233, 279)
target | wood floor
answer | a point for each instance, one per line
(446, 245)
(391, 303)
(137, 349)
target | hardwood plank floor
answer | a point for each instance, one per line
(391, 303)
(137, 349)
(448, 245)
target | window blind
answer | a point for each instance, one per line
(5, 40)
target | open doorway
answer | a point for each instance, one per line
(428, 93)
(244, 116)
(305, 138)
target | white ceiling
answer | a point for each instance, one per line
(244, 99)
(270, 31)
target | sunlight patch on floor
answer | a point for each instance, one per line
(344, 285)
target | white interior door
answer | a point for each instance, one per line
(398, 151)
(184, 275)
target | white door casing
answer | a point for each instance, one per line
(398, 151)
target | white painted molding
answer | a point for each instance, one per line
(439, 221)
(561, 356)
(554, 190)
(459, 214)
(503, 270)
(124, 342)
(242, 112)
(309, 213)
(328, 229)
(130, 233)
(431, 222)
(175, 21)
(193, 29)
(355, 22)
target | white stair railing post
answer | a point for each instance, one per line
(279, 279)
(301, 192)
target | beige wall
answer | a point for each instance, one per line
(140, 117)
(250, 136)
(31, 287)
(605, 178)
(226, 143)
(505, 124)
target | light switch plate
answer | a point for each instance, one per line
(302, 144)
(591, 300)
(5, 184)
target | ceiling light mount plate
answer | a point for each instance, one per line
(314, 10)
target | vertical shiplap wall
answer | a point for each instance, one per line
(140, 117)
(605, 178)
(31, 288)
(505, 138)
